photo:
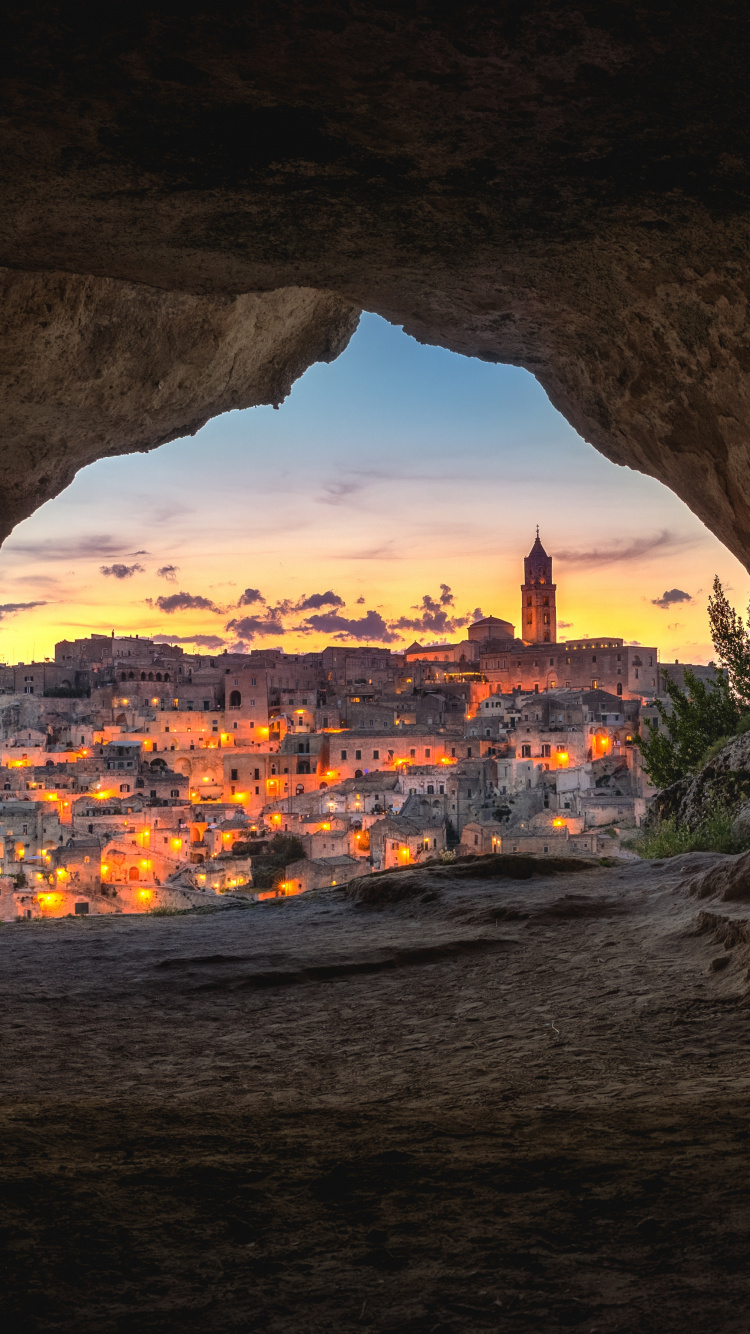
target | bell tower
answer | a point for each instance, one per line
(538, 609)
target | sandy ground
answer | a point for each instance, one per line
(514, 1106)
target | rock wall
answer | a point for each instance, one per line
(565, 187)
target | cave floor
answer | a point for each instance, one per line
(514, 1106)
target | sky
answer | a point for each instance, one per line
(391, 497)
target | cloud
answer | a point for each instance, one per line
(98, 546)
(318, 600)
(670, 598)
(335, 493)
(386, 551)
(676, 625)
(360, 602)
(169, 572)
(257, 627)
(183, 602)
(564, 625)
(634, 549)
(202, 641)
(436, 616)
(122, 571)
(250, 597)
(11, 608)
(371, 626)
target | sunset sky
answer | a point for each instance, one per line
(394, 474)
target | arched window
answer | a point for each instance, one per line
(300, 789)
(151, 676)
(166, 676)
(133, 873)
(123, 677)
(143, 676)
(131, 676)
(158, 676)
(235, 699)
(357, 773)
(619, 687)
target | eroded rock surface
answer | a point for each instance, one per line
(563, 187)
(520, 1105)
(95, 367)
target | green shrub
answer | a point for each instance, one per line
(669, 839)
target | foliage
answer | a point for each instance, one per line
(268, 869)
(669, 839)
(731, 640)
(703, 714)
(451, 834)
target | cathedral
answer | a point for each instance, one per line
(534, 660)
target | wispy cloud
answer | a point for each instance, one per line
(12, 608)
(97, 546)
(337, 493)
(626, 549)
(169, 572)
(385, 551)
(201, 641)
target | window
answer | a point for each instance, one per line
(233, 775)
(153, 791)
(376, 754)
(619, 687)
(427, 754)
(175, 792)
(343, 754)
(358, 754)
(235, 699)
(526, 752)
(256, 774)
(124, 787)
(546, 752)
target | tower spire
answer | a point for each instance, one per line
(538, 611)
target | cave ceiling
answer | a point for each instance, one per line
(196, 201)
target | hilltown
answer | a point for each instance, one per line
(136, 777)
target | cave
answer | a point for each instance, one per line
(197, 203)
